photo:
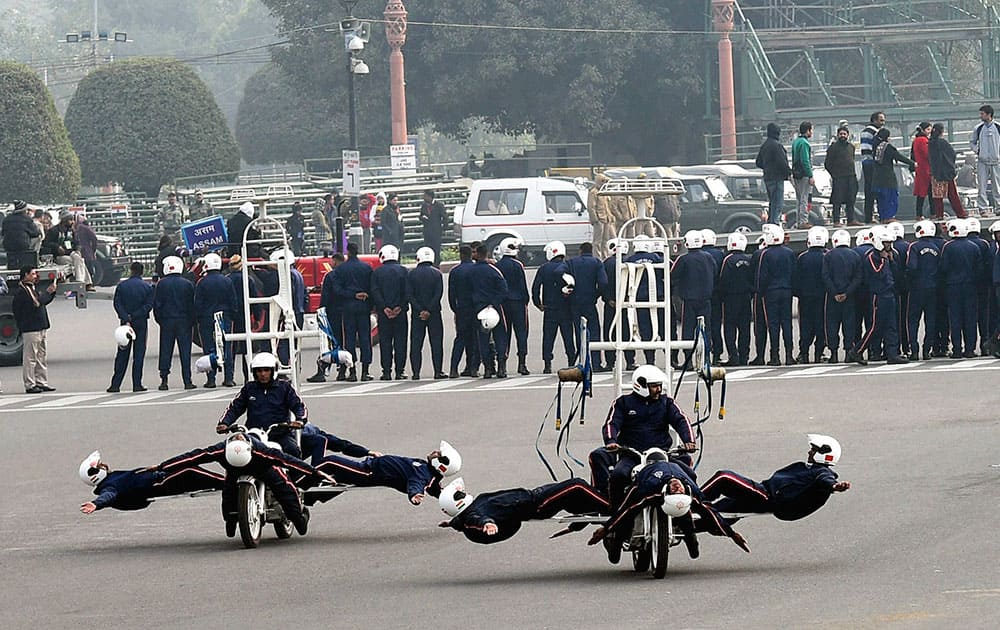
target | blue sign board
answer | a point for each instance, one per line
(207, 233)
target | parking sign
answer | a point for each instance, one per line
(352, 172)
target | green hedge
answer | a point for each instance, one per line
(37, 162)
(146, 121)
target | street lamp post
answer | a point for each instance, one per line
(352, 44)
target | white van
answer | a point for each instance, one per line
(535, 209)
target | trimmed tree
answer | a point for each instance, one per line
(37, 162)
(144, 122)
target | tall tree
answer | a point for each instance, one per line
(144, 122)
(37, 162)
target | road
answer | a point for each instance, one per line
(912, 545)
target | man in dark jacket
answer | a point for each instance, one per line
(591, 281)
(774, 283)
(20, 232)
(236, 229)
(460, 301)
(489, 289)
(296, 226)
(736, 291)
(389, 298)
(773, 160)
(133, 304)
(515, 307)
(392, 222)
(432, 219)
(352, 284)
(214, 293)
(29, 309)
(335, 316)
(807, 286)
(692, 278)
(173, 308)
(841, 279)
(424, 290)
(550, 294)
(839, 163)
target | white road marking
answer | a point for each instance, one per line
(891, 368)
(10, 400)
(370, 387)
(514, 383)
(738, 375)
(965, 364)
(438, 386)
(226, 392)
(135, 397)
(820, 369)
(67, 401)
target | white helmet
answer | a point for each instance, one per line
(238, 450)
(925, 228)
(643, 376)
(737, 242)
(694, 239)
(658, 246)
(283, 253)
(974, 226)
(881, 236)
(388, 252)
(958, 228)
(641, 243)
(863, 237)
(449, 462)
(337, 357)
(569, 284)
(818, 236)
(207, 363)
(553, 249)
(827, 449)
(488, 318)
(995, 227)
(614, 245)
(212, 262)
(709, 237)
(841, 238)
(263, 360)
(124, 335)
(510, 246)
(425, 254)
(90, 471)
(897, 229)
(675, 505)
(773, 234)
(172, 265)
(654, 454)
(453, 499)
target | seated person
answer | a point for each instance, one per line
(792, 493)
(496, 516)
(135, 489)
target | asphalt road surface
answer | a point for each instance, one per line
(912, 545)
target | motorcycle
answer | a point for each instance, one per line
(256, 506)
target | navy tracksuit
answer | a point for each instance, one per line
(943, 331)
(466, 325)
(692, 279)
(791, 493)
(900, 248)
(736, 291)
(425, 288)
(267, 464)
(644, 315)
(983, 285)
(410, 476)
(133, 304)
(212, 294)
(515, 306)
(774, 282)
(715, 325)
(841, 276)
(610, 295)
(133, 489)
(334, 314)
(508, 509)
(809, 288)
(960, 265)
(266, 405)
(591, 282)
(879, 279)
(490, 289)
(863, 296)
(316, 442)
(173, 308)
(547, 295)
(350, 278)
(922, 257)
(640, 424)
(759, 316)
(389, 293)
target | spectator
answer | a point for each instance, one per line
(802, 173)
(884, 183)
(19, 236)
(839, 162)
(391, 222)
(368, 216)
(432, 220)
(236, 229)
(170, 218)
(29, 309)
(321, 228)
(200, 209)
(773, 160)
(922, 181)
(87, 242)
(985, 143)
(967, 174)
(60, 243)
(868, 144)
(295, 224)
(941, 156)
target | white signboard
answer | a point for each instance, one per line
(404, 159)
(352, 173)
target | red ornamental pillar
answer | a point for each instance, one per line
(722, 18)
(395, 32)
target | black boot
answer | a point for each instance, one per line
(775, 361)
(501, 369)
(790, 360)
(319, 376)
(365, 376)
(856, 357)
(522, 369)
(833, 357)
(342, 373)
(548, 368)
(758, 360)
(352, 377)
(163, 384)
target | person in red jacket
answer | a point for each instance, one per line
(922, 178)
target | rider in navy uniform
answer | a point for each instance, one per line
(841, 277)
(736, 294)
(490, 289)
(590, 282)
(550, 294)
(515, 306)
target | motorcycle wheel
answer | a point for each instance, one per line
(283, 528)
(660, 527)
(250, 521)
(640, 560)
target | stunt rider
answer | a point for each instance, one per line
(791, 493)
(640, 420)
(135, 489)
(243, 455)
(413, 477)
(267, 401)
(496, 516)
